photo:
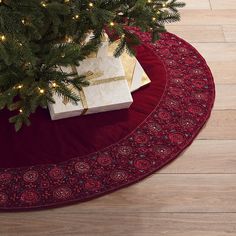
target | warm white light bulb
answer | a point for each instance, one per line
(2, 37)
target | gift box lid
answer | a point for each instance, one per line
(107, 91)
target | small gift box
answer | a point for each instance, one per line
(108, 90)
(134, 72)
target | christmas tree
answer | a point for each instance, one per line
(39, 37)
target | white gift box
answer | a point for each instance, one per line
(109, 91)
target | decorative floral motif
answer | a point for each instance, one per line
(176, 138)
(196, 110)
(3, 199)
(141, 138)
(201, 96)
(30, 176)
(162, 151)
(182, 111)
(44, 184)
(125, 150)
(199, 83)
(104, 160)
(187, 123)
(62, 193)
(154, 127)
(56, 173)
(92, 185)
(142, 164)
(164, 115)
(82, 167)
(176, 91)
(29, 197)
(119, 175)
(5, 177)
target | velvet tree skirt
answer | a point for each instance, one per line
(54, 163)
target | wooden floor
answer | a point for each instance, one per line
(195, 195)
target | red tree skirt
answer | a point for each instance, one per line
(68, 161)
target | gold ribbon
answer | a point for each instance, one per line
(91, 76)
(129, 64)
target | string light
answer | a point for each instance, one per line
(66, 1)
(21, 111)
(112, 23)
(54, 85)
(43, 4)
(27, 64)
(20, 86)
(76, 17)
(69, 39)
(41, 90)
(3, 38)
(91, 4)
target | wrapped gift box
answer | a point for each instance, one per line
(108, 91)
(134, 72)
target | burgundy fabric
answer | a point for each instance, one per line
(57, 163)
(47, 141)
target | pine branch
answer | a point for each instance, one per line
(38, 37)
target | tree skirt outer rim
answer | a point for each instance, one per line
(57, 190)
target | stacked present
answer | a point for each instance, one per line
(111, 82)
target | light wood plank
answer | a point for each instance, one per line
(185, 193)
(193, 4)
(207, 17)
(221, 58)
(222, 125)
(226, 4)
(206, 157)
(116, 224)
(223, 72)
(225, 97)
(230, 32)
(217, 52)
(212, 33)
